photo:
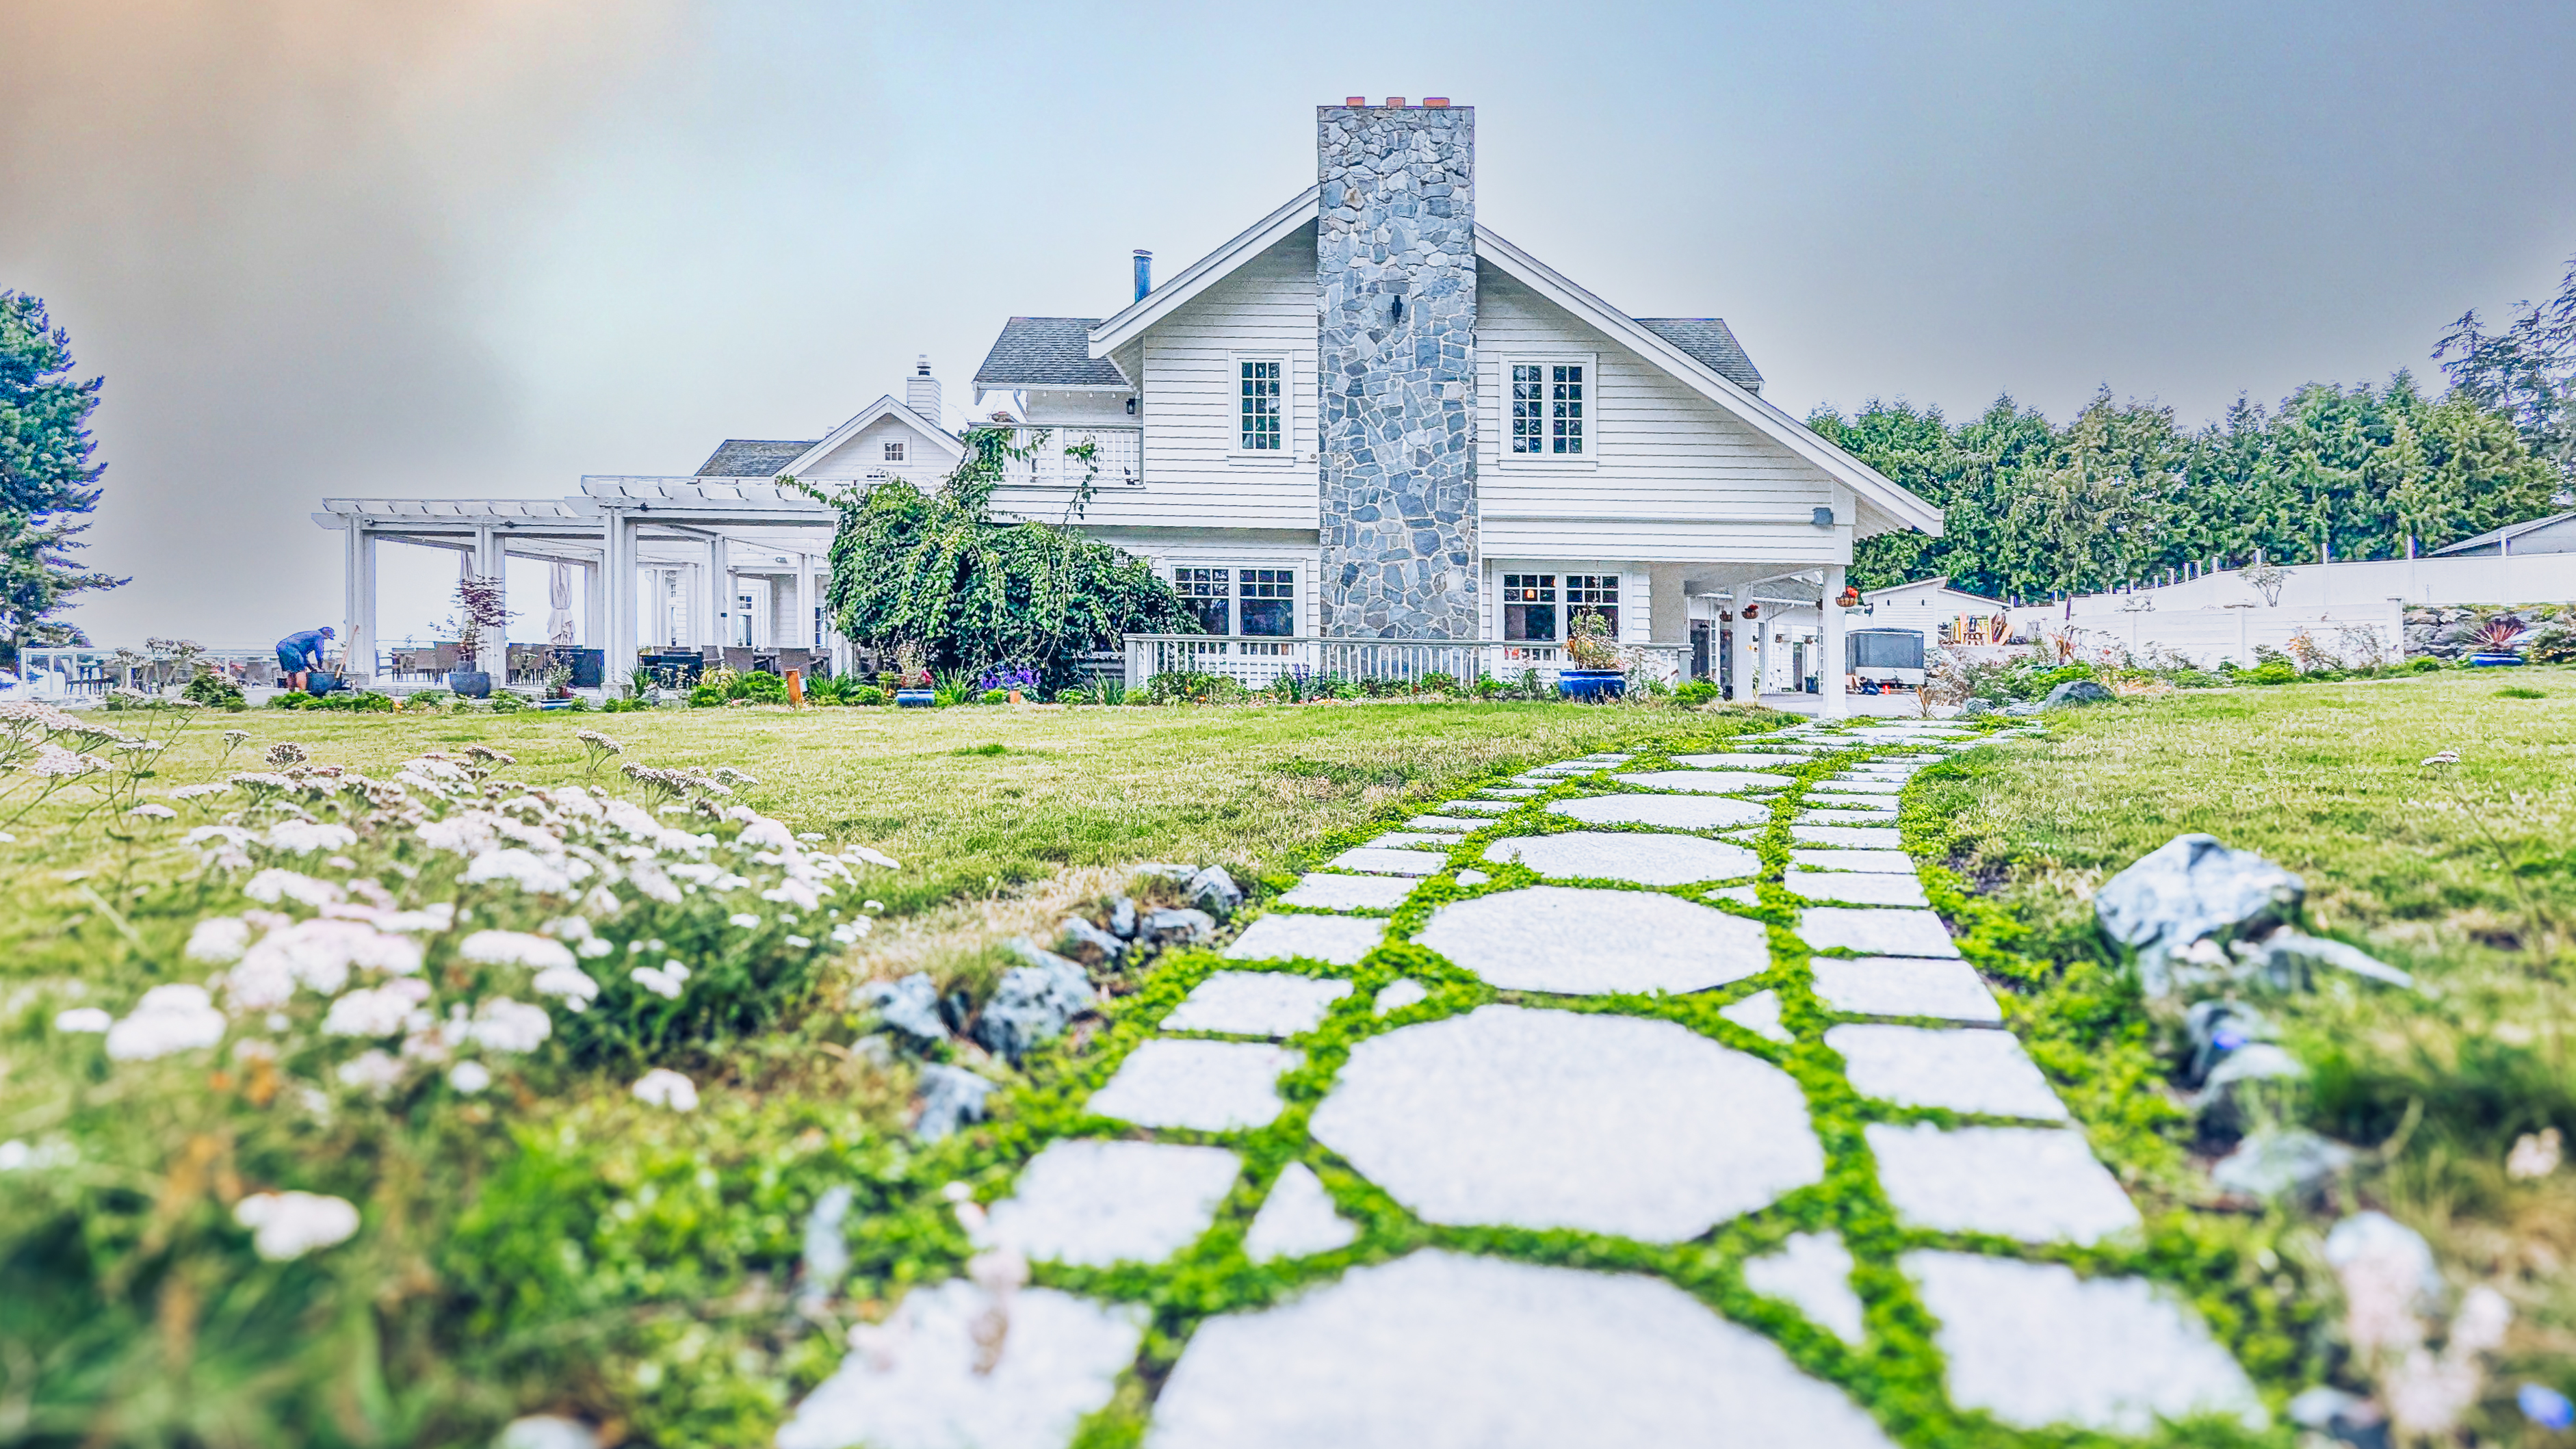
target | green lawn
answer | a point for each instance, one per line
(2464, 874)
(553, 1243)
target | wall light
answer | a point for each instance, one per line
(1824, 517)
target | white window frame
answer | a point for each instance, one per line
(894, 450)
(1302, 572)
(1590, 457)
(1286, 452)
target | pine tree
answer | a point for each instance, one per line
(48, 479)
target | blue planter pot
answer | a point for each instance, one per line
(2493, 661)
(469, 683)
(916, 698)
(1591, 683)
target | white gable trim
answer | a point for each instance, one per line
(1115, 332)
(883, 407)
(1765, 418)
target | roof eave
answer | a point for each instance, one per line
(1116, 332)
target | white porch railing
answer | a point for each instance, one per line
(1256, 662)
(1118, 454)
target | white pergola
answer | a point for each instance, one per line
(695, 536)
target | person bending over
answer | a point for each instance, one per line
(298, 655)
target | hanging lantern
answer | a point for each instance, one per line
(1850, 598)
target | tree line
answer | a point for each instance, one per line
(2123, 492)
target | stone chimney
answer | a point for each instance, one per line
(921, 390)
(1395, 297)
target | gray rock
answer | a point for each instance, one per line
(1977, 708)
(546, 1431)
(1447, 1351)
(2377, 1235)
(1214, 891)
(1856, 888)
(1032, 1005)
(2282, 1163)
(2215, 1030)
(827, 1251)
(1164, 870)
(2019, 708)
(910, 1006)
(1079, 933)
(2290, 957)
(1179, 928)
(1846, 837)
(1122, 918)
(2253, 1083)
(1705, 782)
(2075, 692)
(2189, 888)
(951, 1097)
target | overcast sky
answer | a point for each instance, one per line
(482, 247)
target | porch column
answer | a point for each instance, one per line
(1831, 673)
(1762, 650)
(617, 621)
(1748, 689)
(358, 603)
(492, 561)
(803, 635)
(719, 594)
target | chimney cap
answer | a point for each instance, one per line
(1395, 103)
(1437, 103)
(921, 364)
(1143, 252)
(1355, 100)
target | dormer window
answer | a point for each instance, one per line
(1259, 405)
(1547, 409)
(894, 452)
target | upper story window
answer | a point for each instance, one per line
(1547, 408)
(1593, 594)
(1529, 606)
(1207, 593)
(1262, 424)
(894, 452)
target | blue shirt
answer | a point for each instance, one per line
(308, 644)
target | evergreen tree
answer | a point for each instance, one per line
(48, 480)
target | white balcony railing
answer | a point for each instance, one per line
(1256, 662)
(1117, 453)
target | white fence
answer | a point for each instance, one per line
(1255, 663)
(2539, 578)
(1117, 453)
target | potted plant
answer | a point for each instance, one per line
(2495, 642)
(480, 606)
(1598, 671)
(912, 678)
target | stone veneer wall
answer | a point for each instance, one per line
(1396, 465)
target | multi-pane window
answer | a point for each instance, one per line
(1269, 601)
(1547, 408)
(1260, 405)
(1593, 594)
(1529, 606)
(894, 452)
(1206, 593)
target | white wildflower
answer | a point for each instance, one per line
(303, 837)
(799, 942)
(522, 869)
(219, 940)
(647, 877)
(503, 1025)
(469, 1077)
(467, 832)
(168, 1019)
(260, 781)
(573, 984)
(83, 1019)
(17, 1156)
(848, 932)
(197, 792)
(374, 1011)
(371, 1071)
(435, 917)
(745, 922)
(287, 1225)
(874, 856)
(2535, 1155)
(765, 832)
(872, 905)
(228, 834)
(273, 885)
(809, 835)
(514, 948)
(662, 1087)
(152, 811)
(2446, 757)
(53, 762)
(796, 893)
(315, 954)
(664, 980)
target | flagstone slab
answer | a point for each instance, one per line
(2036, 1184)
(1348, 893)
(1705, 782)
(1846, 817)
(1399, 996)
(1340, 940)
(1985, 1072)
(1209, 1086)
(1445, 824)
(1445, 1351)
(1297, 1220)
(1380, 861)
(1656, 860)
(1848, 837)
(2034, 1345)
(1760, 1015)
(1522, 1117)
(1417, 840)
(1480, 807)
(1855, 888)
(1512, 792)
(1577, 941)
(1744, 895)
(1904, 986)
(1569, 767)
(921, 1385)
(1835, 799)
(1094, 1203)
(1671, 812)
(1813, 1271)
(1864, 785)
(1875, 931)
(1472, 877)
(1261, 1003)
(1882, 862)
(1738, 760)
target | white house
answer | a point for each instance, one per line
(1371, 416)
(1367, 433)
(1940, 613)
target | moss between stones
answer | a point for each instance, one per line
(2073, 1027)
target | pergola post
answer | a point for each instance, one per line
(492, 561)
(618, 612)
(358, 603)
(1832, 674)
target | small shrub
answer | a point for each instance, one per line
(994, 696)
(214, 691)
(1438, 683)
(759, 687)
(2270, 671)
(706, 696)
(2520, 691)
(624, 706)
(1697, 692)
(504, 702)
(2423, 664)
(1189, 687)
(868, 694)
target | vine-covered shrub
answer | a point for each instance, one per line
(214, 690)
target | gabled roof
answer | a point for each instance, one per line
(752, 458)
(1712, 342)
(2495, 536)
(1048, 352)
(1939, 585)
(1705, 374)
(884, 407)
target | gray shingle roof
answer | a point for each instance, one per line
(1707, 339)
(1047, 352)
(752, 458)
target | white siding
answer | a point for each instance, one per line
(864, 456)
(1670, 475)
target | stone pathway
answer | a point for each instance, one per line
(1572, 1019)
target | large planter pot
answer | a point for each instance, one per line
(470, 683)
(916, 698)
(1591, 683)
(2493, 661)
